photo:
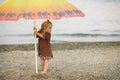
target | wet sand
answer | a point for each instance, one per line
(72, 61)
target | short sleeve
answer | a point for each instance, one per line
(37, 35)
(47, 36)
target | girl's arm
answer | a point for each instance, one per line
(38, 34)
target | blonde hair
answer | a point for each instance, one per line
(44, 26)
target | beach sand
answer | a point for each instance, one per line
(72, 61)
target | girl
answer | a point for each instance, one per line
(44, 46)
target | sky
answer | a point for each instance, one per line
(1, 1)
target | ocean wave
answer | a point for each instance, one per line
(16, 35)
(66, 34)
(87, 35)
(98, 30)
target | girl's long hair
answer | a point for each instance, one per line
(44, 26)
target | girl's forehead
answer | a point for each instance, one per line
(50, 25)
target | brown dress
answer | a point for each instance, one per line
(44, 46)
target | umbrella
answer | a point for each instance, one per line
(37, 9)
(13, 10)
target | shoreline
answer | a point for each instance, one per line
(59, 46)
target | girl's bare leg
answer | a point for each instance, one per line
(45, 66)
(42, 63)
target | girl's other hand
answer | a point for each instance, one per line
(34, 28)
(35, 32)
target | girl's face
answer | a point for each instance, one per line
(49, 28)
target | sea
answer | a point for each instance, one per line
(100, 24)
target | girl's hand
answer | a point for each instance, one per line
(34, 28)
(35, 32)
(38, 34)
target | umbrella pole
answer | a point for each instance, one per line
(35, 50)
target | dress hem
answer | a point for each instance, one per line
(45, 57)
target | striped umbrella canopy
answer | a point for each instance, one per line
(37, 9)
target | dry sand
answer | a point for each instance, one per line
(72, 61)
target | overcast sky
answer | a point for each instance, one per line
(1, 1)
